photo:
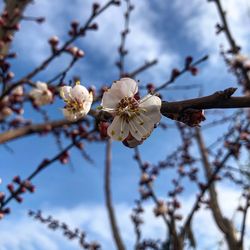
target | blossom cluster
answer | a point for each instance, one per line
(39, 94)
(133, 119)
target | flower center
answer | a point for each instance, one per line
(74, 106)
(127, 108)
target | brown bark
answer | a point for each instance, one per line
(108, 199)
(222, 222)
(13, 19)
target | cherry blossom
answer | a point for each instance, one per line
(5, 111)
(133, 119)
(41, 95)
(78, 101)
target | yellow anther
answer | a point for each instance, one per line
(78, 82)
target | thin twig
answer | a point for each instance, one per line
(108, 199)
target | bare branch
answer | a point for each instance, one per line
(14, 9)
(223, 223)
(218, 100)
(111, 213)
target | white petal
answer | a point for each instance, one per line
(41, 85)
(119, 129)
(152, 106)
(18, 90)
(70, 116)
(65, 93)
(79, 93)
(87, 104)
(110, 100)
(46, 98)
(6, 111)
(139, 128)
(34, 93)
(125, 87)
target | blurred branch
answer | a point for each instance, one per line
(13, 9)
(234, 48)
(107, 188)
(225, 27)
(43, 165)
(124, 33)
(36, 128)
(142, 68)
(222, 222)
(177, 73)
(70, 234)
(173, 239)
(205, 187)
(244, 221)
(82, 31)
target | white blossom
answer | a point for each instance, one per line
(132, 118)
(18, 91)
(239, 58)
(41, 95)
(5, 111)
(78, 101)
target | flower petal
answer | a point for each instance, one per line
(140, 127)
(65, 93)
(41, 85)
(110, 100)
(125, 87)
(79, 93)
(118, 129)
(70, 116)
(151, 106)
(87, 104)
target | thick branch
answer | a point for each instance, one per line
(218, 100)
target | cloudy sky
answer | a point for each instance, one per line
(166, 30)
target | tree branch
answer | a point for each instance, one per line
(218, 100)
(111, 213)
(36, 128)
(222, 222)
(11, 21)
(243, 225)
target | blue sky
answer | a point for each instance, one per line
(167, 30)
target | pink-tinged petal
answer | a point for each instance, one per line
(118, 129)
(65, 93)
(151, 105)
(79, 93)
(125, 87)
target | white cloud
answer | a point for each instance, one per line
(143, 44)
(200, 18)
(24, 233)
